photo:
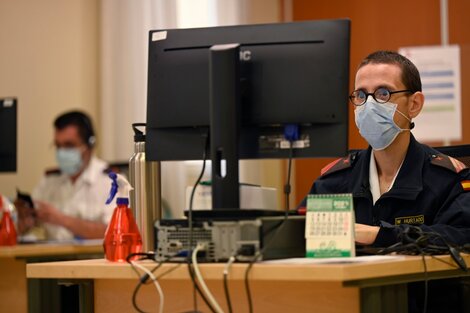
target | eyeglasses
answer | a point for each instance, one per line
(381, 95)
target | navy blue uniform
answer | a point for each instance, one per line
(429, 192)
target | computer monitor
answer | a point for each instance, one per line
(8, 135)
(283, 74)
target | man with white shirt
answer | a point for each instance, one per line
(397, 183)
(70, 201)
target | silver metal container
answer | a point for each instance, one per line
(145, 198)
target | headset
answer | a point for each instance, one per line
(89, 131)
(82, 121)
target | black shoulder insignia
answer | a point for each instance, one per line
(52, 171)
(338, 164)
(447, 162)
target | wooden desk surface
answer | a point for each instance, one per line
(13, 260)
(102, 269)
(51, 249)
(340, 287)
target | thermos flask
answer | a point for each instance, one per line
(145, 197)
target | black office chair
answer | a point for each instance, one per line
(461, 152)
(461, 285)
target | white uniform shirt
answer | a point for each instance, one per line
(84, 199)
(374, 179)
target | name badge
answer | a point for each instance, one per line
(411, 220)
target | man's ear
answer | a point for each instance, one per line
(416, 104)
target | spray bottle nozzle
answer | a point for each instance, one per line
(119, 186)
(114, 187)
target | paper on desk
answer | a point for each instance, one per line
(358, 259)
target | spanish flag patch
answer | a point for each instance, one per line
(465, 185)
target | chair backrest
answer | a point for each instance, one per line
(461, 152)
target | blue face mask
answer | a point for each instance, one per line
(70, 160)
(376, 124)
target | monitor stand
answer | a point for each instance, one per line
(233, 214)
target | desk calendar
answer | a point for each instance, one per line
(329, 228)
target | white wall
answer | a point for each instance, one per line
(49, 61)
(54, 56)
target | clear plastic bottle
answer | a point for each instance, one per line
(122, 236)
(7, 227)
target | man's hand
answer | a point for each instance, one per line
(366, 234)
(82, 228)
(47, 213)
(26, 216)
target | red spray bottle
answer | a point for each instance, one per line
(122, 237)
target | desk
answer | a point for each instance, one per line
(13, 259)
(362, 287)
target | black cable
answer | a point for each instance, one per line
(425, 305)
(190, 224)
(227, 294)
(287, 189)
(168, 271)
(287, 186)
(444, 261)
(277, 229)
(247, 286)
(198, 289)
(134, 298)
(146, 256)
(414, 241)
(191, 198)
(194, 295)
(226, 289)
(142, 278)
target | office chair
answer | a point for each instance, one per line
(460, 152)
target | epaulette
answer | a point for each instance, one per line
(447, 162)
(339, 164)
(53, 171)
(465, 185)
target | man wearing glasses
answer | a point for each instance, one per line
(70, 201)
(398, 183)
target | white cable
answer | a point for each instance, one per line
(228, 264)
(206, 290)
(155, 282)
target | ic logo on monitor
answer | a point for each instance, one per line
(245, 55)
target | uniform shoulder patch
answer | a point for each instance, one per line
(338, 165)
(448, 162)
(52, 171)
(465, 185)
